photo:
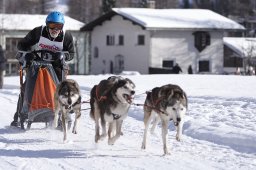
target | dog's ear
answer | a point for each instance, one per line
(115, 79)
(131, 82)
(75, 84)
(184, 96)
(120, 83)
(61, 85)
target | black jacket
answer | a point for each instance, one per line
(33, 37)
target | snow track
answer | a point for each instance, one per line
(219, 132)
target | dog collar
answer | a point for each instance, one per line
(116, 116)
(71, 106)
(77, 102)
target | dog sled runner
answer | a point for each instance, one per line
(36, 99)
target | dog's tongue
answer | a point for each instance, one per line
(128, 98)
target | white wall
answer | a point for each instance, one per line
(179, 46)
(136, 57)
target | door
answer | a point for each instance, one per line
(119, 64)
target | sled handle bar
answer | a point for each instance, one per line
(21, 55)
(36, 52)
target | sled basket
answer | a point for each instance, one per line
(41, 82)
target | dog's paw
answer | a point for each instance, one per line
(103, 136)
(111, 142)
(178, 138)
(74, 131)
(143, 146)
(97, 138)
(166, 152)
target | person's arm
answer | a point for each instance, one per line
(30, 39)
(68, 45)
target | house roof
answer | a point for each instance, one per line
(28, 22)
(243, 46)
(169, 19)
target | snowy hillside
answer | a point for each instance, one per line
(219, 130)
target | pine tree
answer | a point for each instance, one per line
(107, 5)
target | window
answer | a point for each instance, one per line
(10, 53)
(96, 52)
(231, 59)
(233, 62)
(110, 40)
(141, 40)
(168, 63)
(204, 66)
(11, 47)
(202, 39)
(120, 40)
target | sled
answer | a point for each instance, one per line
(36, 99)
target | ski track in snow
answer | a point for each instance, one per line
(41, 148)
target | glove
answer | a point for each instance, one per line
(65, 67)
(29, 57)
(68, 57)
(57, 56)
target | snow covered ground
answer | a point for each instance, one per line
(219, 131)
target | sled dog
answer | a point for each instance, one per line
(66, 98)
(110, 101)
(165, 103)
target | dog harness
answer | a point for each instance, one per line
(155, 103)
(71, 106)
(97, 95)
(116, 116)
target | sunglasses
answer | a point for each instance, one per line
(55, 26)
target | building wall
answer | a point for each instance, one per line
(214, 52)
(160, 45)
(179, 47)
(136, 57)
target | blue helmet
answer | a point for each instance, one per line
(56, 17)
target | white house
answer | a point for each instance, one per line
(239, 52)
(13, 27)
(153, 40)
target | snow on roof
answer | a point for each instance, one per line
(241, 45)
(178, 18)
(28, 22)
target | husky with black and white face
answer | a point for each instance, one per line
(110, 101)
(66, 98)
(165, 103)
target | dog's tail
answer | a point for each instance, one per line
(92, 101)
